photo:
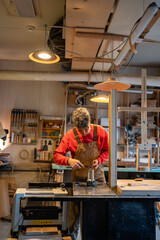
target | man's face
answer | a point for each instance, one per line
(84, 131)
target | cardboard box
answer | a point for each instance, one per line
(4, 199)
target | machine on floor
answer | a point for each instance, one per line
(35, 208)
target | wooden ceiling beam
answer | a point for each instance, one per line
(100, 60)
(102, 36)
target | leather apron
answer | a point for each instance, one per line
(86, 153)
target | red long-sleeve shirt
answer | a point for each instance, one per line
(69, 143)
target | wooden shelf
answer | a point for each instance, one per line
(88, 106)
(54, 128)
(42, 161)
(138, 109)
(130, 146)
(77, 106)
(131, 164)
(139, 127)
(120, 127)
(23, 143)
(51, 137)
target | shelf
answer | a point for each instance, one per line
(88, 106)
(51, 137)
(54, 128)
(77, 106)
(41, 161)
(125, 145)
(24, 143)
(138, 109)
(139, 127)
(4, 164)
(4, 154)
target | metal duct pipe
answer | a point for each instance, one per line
(74, 77)
(44, 76)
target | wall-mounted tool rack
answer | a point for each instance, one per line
(24, 126)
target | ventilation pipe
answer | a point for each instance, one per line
(74, 77)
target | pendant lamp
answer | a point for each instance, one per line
(110, 84)
(100, 99)
(44, 56)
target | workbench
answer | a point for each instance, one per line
(106, 169)
(125, 213)
(117, 215)
(122, 172)
(105, 214)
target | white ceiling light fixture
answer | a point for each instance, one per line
(141, 25)
(44, 56)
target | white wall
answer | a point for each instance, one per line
(48, 98)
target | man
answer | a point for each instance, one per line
(88, 145)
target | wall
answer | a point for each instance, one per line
(48, 98)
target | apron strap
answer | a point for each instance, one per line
(76, 136)
(95, 133)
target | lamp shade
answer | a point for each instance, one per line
(45, 57)
(110, 84)
(100, 99)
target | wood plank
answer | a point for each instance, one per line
(139, 109)
(140, 188)
(102, 36)
(41, 230)
(67, 238)
(92, 60)
(77, 18)
(77, 13)
(11, 238)
(130, 164)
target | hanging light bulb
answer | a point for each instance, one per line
(44, 56)
(100, 99)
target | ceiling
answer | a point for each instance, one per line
(81, 41)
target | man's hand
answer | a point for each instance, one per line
(95, 164)
(75, 164)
